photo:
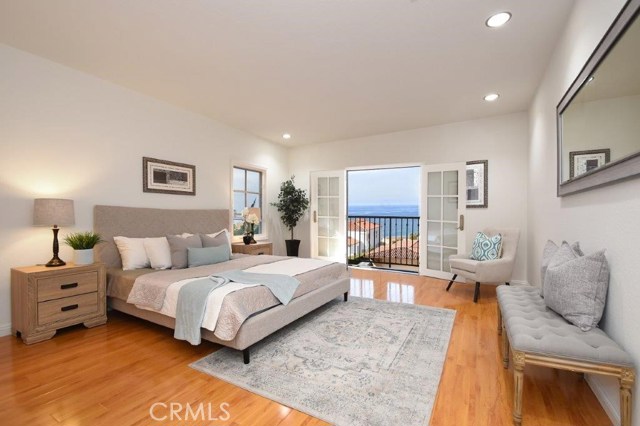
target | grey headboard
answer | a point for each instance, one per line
(112, 221)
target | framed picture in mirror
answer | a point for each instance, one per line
(581, 162)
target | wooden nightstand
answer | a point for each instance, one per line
(259, 248)
(46, 299)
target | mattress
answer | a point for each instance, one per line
(241, 304)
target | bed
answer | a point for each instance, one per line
(243, 330)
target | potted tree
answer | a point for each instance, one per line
(292, 203)
(82, 244)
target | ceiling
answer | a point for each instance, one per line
(321, 70)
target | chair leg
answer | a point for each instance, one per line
(507, 283)
(451, 282)
(246, 355)
(477, 292)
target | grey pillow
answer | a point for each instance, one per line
(577, 288)
(179, 246)
(208, 255)
(550, 249)
(217, 241)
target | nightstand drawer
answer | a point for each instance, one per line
(60, 286)
(67, 308)
(262, 249)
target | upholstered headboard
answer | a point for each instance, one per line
(112, 221)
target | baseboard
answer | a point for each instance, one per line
(611, 408)
(5, 329)
(519, 282)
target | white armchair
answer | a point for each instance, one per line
(488, 271)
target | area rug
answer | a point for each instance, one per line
(362, 362)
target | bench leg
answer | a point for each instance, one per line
(626, 382)
(499, 319)
(505, 348)
(518, 381)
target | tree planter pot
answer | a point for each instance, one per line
(293, 246)
(83, 257)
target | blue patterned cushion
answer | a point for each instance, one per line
(486, 248)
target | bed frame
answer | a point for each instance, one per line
(110, 221)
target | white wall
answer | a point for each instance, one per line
(602, 218)
(66, 134)
(502, 140)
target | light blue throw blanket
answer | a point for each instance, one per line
(192, 298)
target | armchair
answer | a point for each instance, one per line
(487, 271)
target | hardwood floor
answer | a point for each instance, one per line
(113, 374)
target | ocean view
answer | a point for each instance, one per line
(390, 227)
(401, 210)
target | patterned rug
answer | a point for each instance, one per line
(363, 362)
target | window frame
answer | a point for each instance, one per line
(263, 211)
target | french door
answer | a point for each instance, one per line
(442, 199)
(328, 216)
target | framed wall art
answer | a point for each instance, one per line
(477, 184)
(168, 177)
(581, 162)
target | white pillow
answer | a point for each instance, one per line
(226, 233)
(158, 252)
(132, 252)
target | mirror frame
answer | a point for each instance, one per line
(625, 167)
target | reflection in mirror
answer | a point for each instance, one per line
(605, 114)
(599, 116)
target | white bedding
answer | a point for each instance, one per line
(290, 267)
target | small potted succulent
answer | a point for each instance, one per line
(82, 244)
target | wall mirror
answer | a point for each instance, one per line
(599, 116)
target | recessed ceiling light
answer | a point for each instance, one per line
(286, 136)
(491, 97)
(498, 20)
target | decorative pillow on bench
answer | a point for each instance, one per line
(550, 249)
(486, 248)
(576, 286)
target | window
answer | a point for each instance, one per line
(247, 192)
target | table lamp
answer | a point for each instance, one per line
(53, 212)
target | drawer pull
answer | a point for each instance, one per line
(69, 308)
(68, 286)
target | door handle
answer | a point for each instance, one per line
(461, 227)
(315, 216)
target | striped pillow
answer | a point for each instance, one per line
(486, 248)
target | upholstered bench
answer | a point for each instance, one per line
(536, 335)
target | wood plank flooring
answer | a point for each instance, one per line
(111, 375)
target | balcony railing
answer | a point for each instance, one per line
(387, 240)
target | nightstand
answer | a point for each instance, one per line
(263, 247)
(44, 300)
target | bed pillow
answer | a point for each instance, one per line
(208, 255)
(486, 248)
(577, 288)
(158, 252)
(216, 239)
(550, 249)
(132, 253)
(179, 245)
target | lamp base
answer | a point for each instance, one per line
(55, 261)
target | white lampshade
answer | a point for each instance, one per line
(256, 211)
(53, 211)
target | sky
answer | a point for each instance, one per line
(384, 186)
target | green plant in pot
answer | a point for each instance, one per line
(292, 203)
(82, 244)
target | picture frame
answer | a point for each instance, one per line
(581, 162)
(477, 184)
(168, 177)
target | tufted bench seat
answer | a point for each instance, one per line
(537, 335)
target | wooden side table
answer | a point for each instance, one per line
(44, 300)
(263, 247)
